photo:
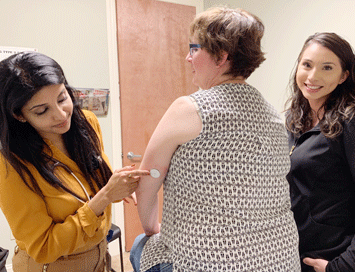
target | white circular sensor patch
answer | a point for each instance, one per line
(155, 173)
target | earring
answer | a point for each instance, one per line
(22, 120)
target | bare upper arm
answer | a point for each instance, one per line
(180, 124)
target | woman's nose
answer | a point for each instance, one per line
(188, 57)
(60, 113)
(313, 74)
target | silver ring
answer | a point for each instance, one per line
(130, 175)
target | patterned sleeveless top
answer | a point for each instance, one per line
(226, 197)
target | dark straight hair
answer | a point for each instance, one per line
(21, 76)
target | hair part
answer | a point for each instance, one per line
(21, 76)
(339, 106)
(233, 31)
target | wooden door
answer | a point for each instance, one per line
(152, 46)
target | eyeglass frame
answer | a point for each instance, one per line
(194, 46)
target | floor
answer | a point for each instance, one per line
(116, 264)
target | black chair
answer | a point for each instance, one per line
(113, 234)
(3, 256)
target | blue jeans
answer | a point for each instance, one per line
(135, 256)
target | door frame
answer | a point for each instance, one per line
(117, 209)
(116, 144)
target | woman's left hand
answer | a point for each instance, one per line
(318, 265)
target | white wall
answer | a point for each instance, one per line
(288, 23)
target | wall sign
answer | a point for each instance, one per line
(7, 51)
(95, 100)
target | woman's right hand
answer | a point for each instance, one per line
(124, 182)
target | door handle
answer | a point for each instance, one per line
(131, 156)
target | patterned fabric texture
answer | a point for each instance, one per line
(226, 197)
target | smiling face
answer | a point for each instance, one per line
(319, 72)
(49, 111)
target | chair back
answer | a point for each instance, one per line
(3, 256)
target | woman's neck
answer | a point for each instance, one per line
(58, 142)
(236, 80)
(317, 108)
(316, 116)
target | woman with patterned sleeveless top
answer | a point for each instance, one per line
(222, 155)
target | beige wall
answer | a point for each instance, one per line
(287, 25)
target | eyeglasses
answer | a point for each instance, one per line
(194, 47)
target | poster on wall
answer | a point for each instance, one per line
(95, 100)
(7, 51)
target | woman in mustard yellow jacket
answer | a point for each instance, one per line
(56, 185)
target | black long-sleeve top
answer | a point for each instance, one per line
(322, 186)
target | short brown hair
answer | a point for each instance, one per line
(234, 31)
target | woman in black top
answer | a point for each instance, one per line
(322, 150)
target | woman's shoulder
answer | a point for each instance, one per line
(93, 121)
(3, 165)
(7, 172)
(180, 123)
(90, 116)
(349, 126)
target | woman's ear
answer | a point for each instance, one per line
(344, 77)
(222, 59)
(20, 118)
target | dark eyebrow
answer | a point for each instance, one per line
(329, 62)
(37, 106)
(41, 105)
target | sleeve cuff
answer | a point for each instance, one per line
(89, 221)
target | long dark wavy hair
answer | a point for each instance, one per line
(21, 76)
(339, 106)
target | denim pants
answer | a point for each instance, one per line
(135, 256)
